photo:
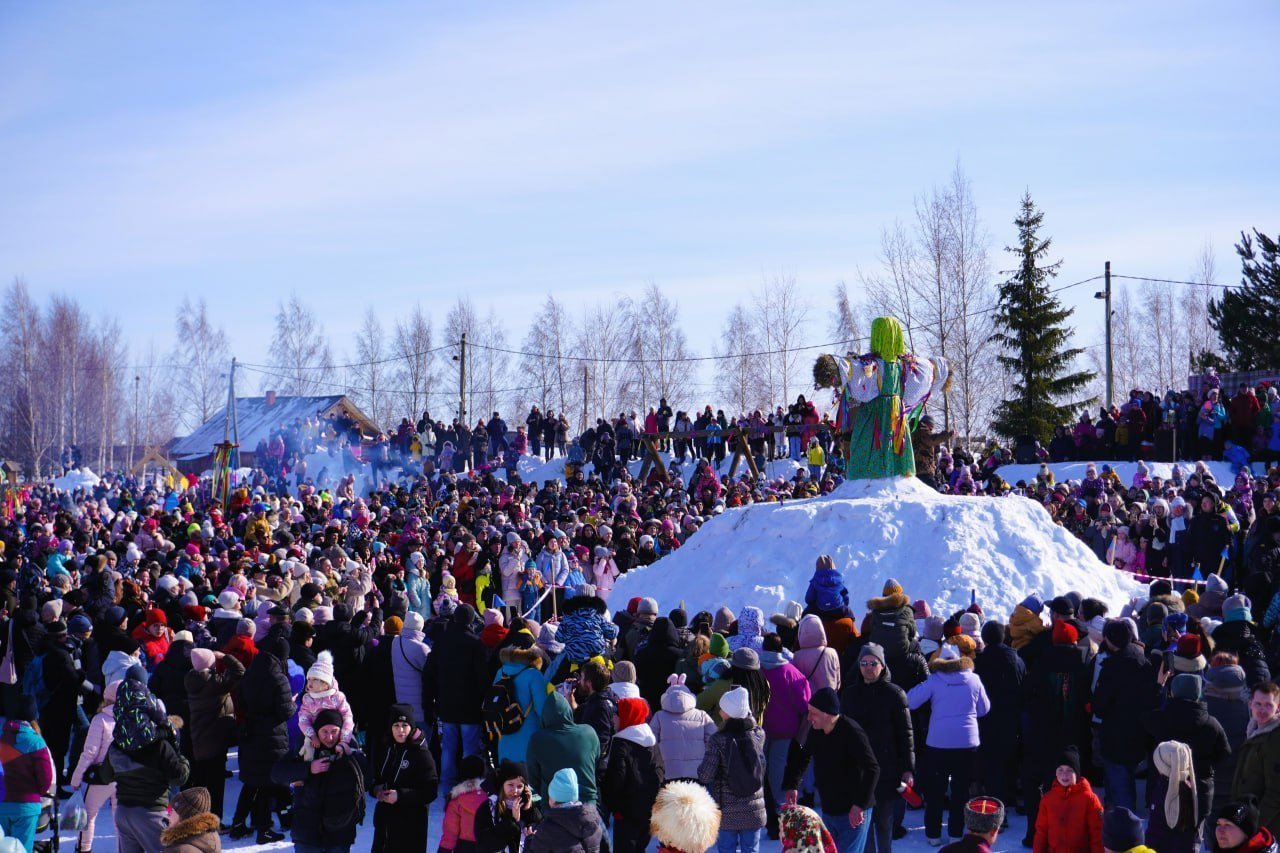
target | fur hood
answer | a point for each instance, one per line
(185, 830)
(685, 818)
(890, 602)
(962, 664)
(523, 657)
(467, 786)
(584, 602)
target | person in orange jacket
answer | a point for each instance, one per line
(1070, 816)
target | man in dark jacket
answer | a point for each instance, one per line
(1002, 674)
(594, 706)
(845, 769)
(1125, 691)
(454, 684)
(64, 684)
(142, 782)
(212, 724)
(1185, 718)
(880, 707)
(330, 801)
(266, 701)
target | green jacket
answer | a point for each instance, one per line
(1258, 773)
(563, 743)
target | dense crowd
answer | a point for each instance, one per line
(451, 634)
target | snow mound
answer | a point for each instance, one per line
(941, 548)
(1223, 472)
(76, 479)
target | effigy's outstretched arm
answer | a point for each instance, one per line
(862, 377)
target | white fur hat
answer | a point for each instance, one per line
(685, 817)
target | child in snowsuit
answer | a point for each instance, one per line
(584, 629)
(140, 717)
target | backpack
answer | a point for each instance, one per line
(337, 821)
(889, 632)
(33, 683)
(501, 711)
(744, 769)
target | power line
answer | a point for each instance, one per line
(402, 357)
(1175, 281)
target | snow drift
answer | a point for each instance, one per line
(1063, 471)
(82, 478)
(941, 548)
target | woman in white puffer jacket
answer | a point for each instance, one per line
(682, 732)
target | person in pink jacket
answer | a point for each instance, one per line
(96, 743)
(788, 706)
(322, 692)
(458, 834)
(817, 662)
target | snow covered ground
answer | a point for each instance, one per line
(81, 478)
(104, 838)
(941, 548)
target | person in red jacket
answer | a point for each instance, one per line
(1070, 815)
(154, 636)
(1243, 412)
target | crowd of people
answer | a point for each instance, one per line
(451, 634)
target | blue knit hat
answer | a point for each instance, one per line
(1236, 608)
(1176, 621)
(1033, 603)
(564, 786)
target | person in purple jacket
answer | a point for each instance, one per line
(957, 699)
(788, 704)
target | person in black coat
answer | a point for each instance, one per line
(630, 783)
(1055, 716)
(267, 703)
(845, 768)
(1126, 689)
(455, 681)
(64, 685)
(404, 784)
(1002, 674)
(167, 682)
(1185, 717)
(348, 637)
(501, 822)
(880, 707)
(330, 801)
(657, 659)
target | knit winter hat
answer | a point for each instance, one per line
(508, 770)
(471, 767)
(155, 616)
(983, 815)
(1215, 583)
(246, 628)
(719, 646)
(322, 669)
(327, 717)
(745, 658)
(736, 703)
(1176, 621)
(970, 624)
(564, 786)
(632, 712)
(492, 616)
(414, 622)
(1121, 829)
(826, 700)
(392, 625)
(1243, 813)
(1190, 597)
(1117, 632)
(1236, 608)
(647, 607)
(993, 633)
(967, 645)
(202, 659)
(191, 802)
(547, 640)
(229, 600)
(1065, 634)
(624, 671)
(920, 608)
(1033, 603)
(1187, 686)
(1069, 757)
(400, 713)
(79, 624)
(825, 561)
(872, 650)
(892, 587)
(1061, 607)
(932, 629)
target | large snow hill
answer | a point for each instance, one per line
(941, 548)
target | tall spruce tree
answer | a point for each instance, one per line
(1245, 318)
(1031, 331)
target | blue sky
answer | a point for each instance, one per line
(392, 153)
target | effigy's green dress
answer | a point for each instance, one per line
(880, 442)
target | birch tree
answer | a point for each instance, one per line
(299, 351)
(201, 358)
(415, 371)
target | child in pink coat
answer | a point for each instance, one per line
(322, 692)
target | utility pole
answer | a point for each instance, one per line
(1110, 372)
(462, 380)
(231, 409)
(137, 385)
(584, 398)
(1105, 296)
